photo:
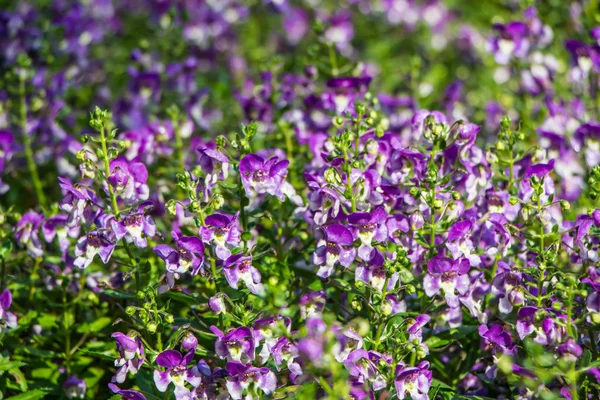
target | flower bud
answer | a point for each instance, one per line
(386, 308)
(513, 200)
(130, 310)
(169, 319)
(410, 289)
(565, 205)
(152, 326)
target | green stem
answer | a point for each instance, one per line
(348, 182)
(179, 147)
(111, 191)
(33, 172)
(541, 252)
(333, 60)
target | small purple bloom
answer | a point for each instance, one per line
(57, 227)
(128, 180)
(237, 345)
(413, 381)
(246, 378)
(449, 275)
(260, 176)
(369, 227)
(217, 304)
(223, 231)
(126, 394)
(188, 256)
(239, 267)
(131, 357)
(7, 319)
(497, 339)
(176, 372)
(74, 388)
(26, 233)
(133, 225)
(336, 247)
(95, 242)
(312, 304)
(460, 244)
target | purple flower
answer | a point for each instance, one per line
(75, 202)
(176, 372)
(132, 225)
(57, 227)
(449, 275)
(211, 382)
(336, 247)
(413, 381)
(189, 342)
(511, 41)
(126, 394)
(260, 176)
(363, 368)
(239, 267)
(507, 286)
(95, 242)
(312, 303)
(369, 227)
(217, 304)
(460, 244)
(131, 356)
(285, 352)
(188, 256)
(248, 379)
(570, 351)
(7, 319)
(497, 339)
(548, 333)
(26, 233)
(374, 273)
(237, 345)
(128, 180)
(415, 332)
(74, 388)
(223, 231)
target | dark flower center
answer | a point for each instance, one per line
(177, 370)
(448, 276)
(366, 228)
(131, 220)
(333, 248)
(185, 255)
(260, 176)
(221, 231)
(245, 266)
(94, 240)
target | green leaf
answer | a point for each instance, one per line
(31, 394)
(451, 335)
(5, 248)
(118, 295)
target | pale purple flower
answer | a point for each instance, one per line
(413, 382)
(363, 368)
(248, 379)
(131, 357)
(260, 176)
(236, 345)
(460, 244)
(128, 180)
(27, 233)
(496, 339)
(217, 304)
(75, 202)
(74, 388)
(177, 373)
(188, 255)
(369, 227)
(239, 267)
(56, 227)
(312, 303)
(126, 394)
(7, 318)
(449, 275)
(507, 285)
(334, 248)
(133, 225)
(223, 231)
(95, 242)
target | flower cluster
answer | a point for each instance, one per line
(357, 217)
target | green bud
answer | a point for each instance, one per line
(386, 308)
(332, 176)
(414, 192)
(500, 146)
(130, 310)
(359, 284)
(169, 319)
(152, 326)
(338, 121)
(596, 318)
(565, 205)
(456, 196)
(513, 200)
(171, 206)
(246, 236)
(273, 280)
(410, 289)
(438, 204)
